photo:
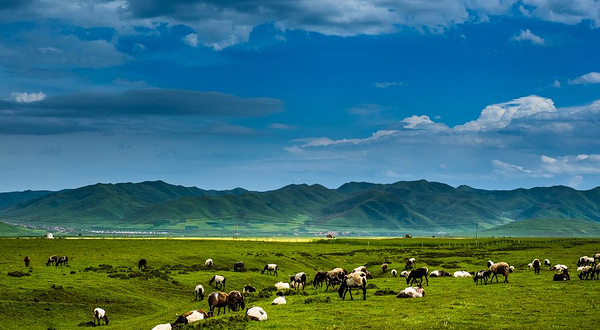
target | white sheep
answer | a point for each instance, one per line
(412, 292)
(166, 326)
(279, 301)
(219, 282)
(282, 286)
(547, 262)
(490, 263)
(394, 272)
(559, 267)
(405, 273)
(257, 314)
(359, 269)
(461, 273)
(199, 292)
(208, 263)
(511, 269)
(100, 314)
(191, 317)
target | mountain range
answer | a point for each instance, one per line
(355, 208)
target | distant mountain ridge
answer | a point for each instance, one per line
(359, 207)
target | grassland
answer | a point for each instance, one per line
(64, 297)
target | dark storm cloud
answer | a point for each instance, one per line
(147, 102)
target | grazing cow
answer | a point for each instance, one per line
(219, 282)
(270, 268)
(330, 235)
(353, 280)
(100, 314)
(408, 236)
(64, 260)
(417, 274)
(142, 264)
(218, 300)
(51, 260)
(239, 267)
(297, 280)
(27, 261)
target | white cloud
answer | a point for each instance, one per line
(498, 116)
(282, 126)
(506, 168)
(191, 39)
(567, 12)
(571, 165)
(586, 79)
(26, 97)
(367, 109)
(325, 142)
(527, 35)
(388, 84)
(556, 83)
(576, 181)
(414, 121)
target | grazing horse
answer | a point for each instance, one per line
(51, 260)
(142, 263)
(27, 261)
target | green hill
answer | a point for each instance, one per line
(547, 228)
(12, 198)
(419, 207)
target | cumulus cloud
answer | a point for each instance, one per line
(221, 24)
(192, 39)
(414, 121)
(527, 35)
(388, 84)
(586, 79)
(26, 97)
(498, 116)
(566, 12)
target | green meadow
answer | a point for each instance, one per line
(103, 273)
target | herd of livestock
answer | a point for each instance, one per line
(340, 280)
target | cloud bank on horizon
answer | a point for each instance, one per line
(495, 94)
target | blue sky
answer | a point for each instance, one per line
(260, 94)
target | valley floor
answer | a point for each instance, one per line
(103, 273)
